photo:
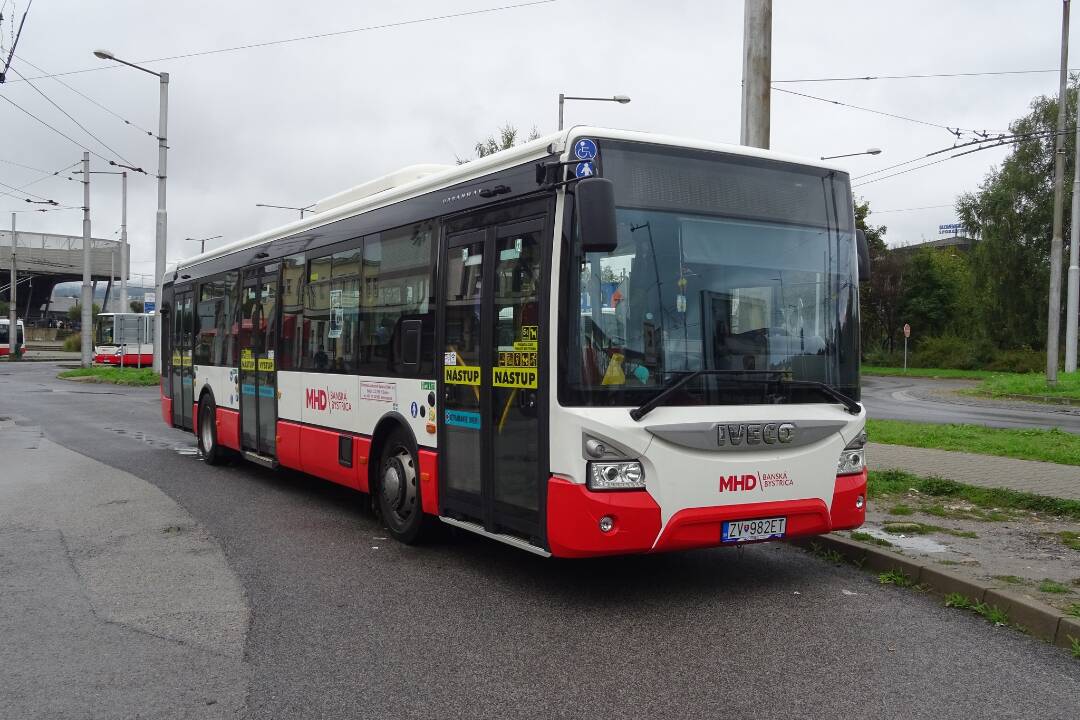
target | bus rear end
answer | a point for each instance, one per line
(709, 380)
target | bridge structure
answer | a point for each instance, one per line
(44, 260)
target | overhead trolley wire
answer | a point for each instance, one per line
(69, 117)
(55, 173)
(919, 75)
(58, 132)
(316, 36)
(86, 97)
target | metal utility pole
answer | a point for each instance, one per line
(87, 293)
(1054, 319)
(1073, 303)
(123, 244)
(757, 73)
(13, 312)
(162, 224)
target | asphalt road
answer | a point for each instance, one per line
(347, 624)
(927, 400)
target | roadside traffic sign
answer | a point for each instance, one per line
(907, 330)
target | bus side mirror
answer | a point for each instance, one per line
(864, 256)
(596, 214)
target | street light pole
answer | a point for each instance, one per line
(1053, 325)
(621, 99)
(1072, 306)
(202, 247)
(286, 207)
(87, 294)
(161, 224)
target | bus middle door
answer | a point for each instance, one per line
(258, 365)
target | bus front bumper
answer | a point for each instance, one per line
(577, 514)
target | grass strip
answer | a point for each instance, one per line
(1054, 446)
(897, 482)
(117, 376)
(1001, 384)
(929, 372)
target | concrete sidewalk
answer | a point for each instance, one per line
(113, 601)
(1040, 478)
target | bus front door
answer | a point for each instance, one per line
(491, 468)
(182, 379)
(258, 366)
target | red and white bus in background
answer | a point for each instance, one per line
(597, 342)
(125, 339)
(5, 336)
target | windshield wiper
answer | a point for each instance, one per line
(739, 375)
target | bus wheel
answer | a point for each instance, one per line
(399, 489)
(212, 453)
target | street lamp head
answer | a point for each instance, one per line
(104, 55)
(873, 151)
(621, 99)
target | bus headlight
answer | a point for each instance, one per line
(853, 459)
(626, 475)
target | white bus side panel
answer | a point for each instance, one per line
(222, 380)
(356, 403)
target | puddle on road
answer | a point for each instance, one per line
(906, 542)
(185, 448)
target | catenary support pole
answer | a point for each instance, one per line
(13, 308)
(757, 73)
(1053, 322)
(87, 293)
(123, 243)
(162, 222)
(1073, 302)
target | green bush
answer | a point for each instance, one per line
(951, 351)
(73, 343)
(1019, 361)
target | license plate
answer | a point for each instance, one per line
(764, 529)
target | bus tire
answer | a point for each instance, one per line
(212, 453)
(398, 489)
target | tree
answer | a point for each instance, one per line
(75, 311)
(508, 135)
(880, 299)
(1011, 215)
(136, 306)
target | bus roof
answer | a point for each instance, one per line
(416, 180)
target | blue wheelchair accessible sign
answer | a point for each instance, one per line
(585, 149)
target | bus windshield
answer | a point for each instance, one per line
(723, 263)
(103, 333)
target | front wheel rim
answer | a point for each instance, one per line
(206, 433)
(399, 487)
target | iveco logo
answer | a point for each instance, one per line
(754, 433)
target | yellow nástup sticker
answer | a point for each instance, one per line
(266, 365)
(515, 377)
(461, 375)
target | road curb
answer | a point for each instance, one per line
(1043, 399)
(1039, 619)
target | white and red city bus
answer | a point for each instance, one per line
(598, 342)
(124, 339)
(5, 336)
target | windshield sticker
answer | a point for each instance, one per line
(517, 359)
(449, 358)
(461, 375)
(515, 378)
(528, 332)
(584, 169)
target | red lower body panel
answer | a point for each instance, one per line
(228, 428)
(138, 360)
(701, 527)
(166, 408)
(573, 520)
(429, 482)
(315, 451)
(849, 502)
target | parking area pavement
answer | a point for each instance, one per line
(114, 602)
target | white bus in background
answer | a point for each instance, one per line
(124, 339)
(598, 342)
(5, 336)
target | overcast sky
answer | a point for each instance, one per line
(292, 123)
